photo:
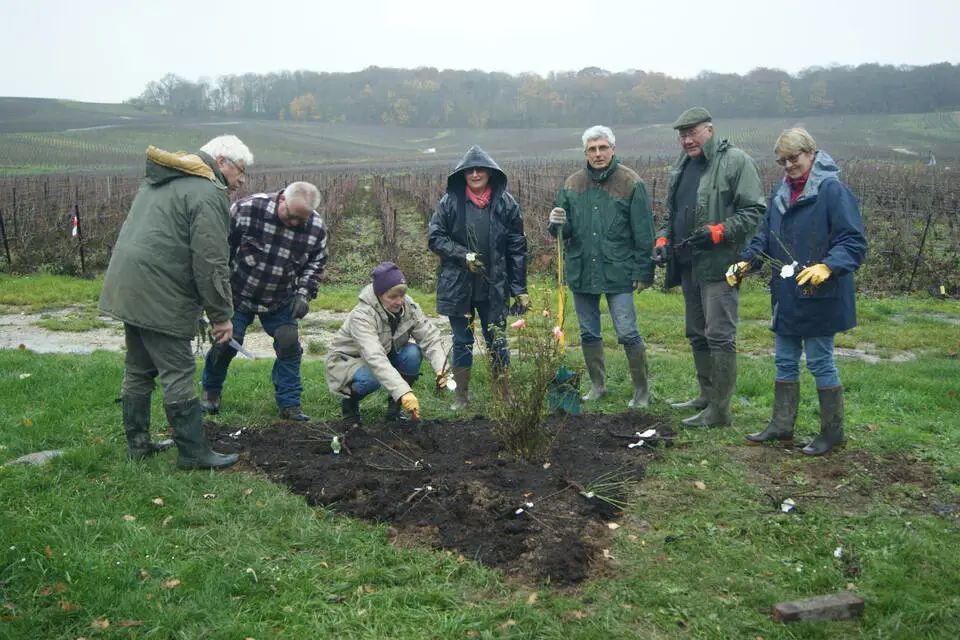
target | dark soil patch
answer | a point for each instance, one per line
(450, 485)
(851, 480)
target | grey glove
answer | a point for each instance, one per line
(557, 216)
(299, 307)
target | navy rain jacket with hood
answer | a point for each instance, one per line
(822, 226)
(507, 250)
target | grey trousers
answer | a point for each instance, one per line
(152, 355)
(712, 313)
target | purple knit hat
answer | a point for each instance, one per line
(386, 276)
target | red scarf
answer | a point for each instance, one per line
(481, 200)
(797, 185)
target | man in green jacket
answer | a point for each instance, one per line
(715, 203)
(603, 213)
(169, 264)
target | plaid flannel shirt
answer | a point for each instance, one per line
(270, 263)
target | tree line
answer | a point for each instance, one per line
(428, 97)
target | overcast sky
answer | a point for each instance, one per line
(108, 50)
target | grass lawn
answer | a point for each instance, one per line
(94, 546)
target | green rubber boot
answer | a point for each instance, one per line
(596, 369)
(831, 422)
(136, 424)
(723, 381)
(461, 395)
(195, 453)
(703, 363)
(786, 400)
(637, 360)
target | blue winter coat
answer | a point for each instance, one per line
(506, 253)
(822, 226)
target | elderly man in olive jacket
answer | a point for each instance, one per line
(603, 213)
(715, 202)
(171, 263)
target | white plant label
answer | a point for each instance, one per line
(788, 270)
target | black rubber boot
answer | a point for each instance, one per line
(723, 381)
(637, 360)
(294, 413)
(350, 409)
(395, 412)
(596, 369)
(786, 399)
(461, 395)
(703, 363)
(195, 452)
(136, 424)
(831, 422)
(210, 401)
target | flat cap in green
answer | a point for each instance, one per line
(692, 117)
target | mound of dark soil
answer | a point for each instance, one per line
(450, 484)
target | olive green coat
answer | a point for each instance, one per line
(609, 230)
(171, 260)
(730, 192)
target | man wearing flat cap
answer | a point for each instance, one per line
(715, 202)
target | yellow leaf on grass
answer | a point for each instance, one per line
(533, 597)
(170, 584)
(699, 484)
(157, 501)
(506, 625)
(27, 422)
(100, 623)
(129, 518)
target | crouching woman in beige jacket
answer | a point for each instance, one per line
(382, 343)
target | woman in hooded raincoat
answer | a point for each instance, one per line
(477, 230)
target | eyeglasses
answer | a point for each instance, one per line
(789, 159)
(598, 148)
(688, 133)
(474, 170)
(241, 170)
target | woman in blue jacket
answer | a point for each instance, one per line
(812, 235)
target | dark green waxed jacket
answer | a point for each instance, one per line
(609, 230)
(730, 192)
(171, 260)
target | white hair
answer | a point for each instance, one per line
(303, 192)
(229, 147)
(598, 131)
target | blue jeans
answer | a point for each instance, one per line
(407, 362)
(622, 311)
(820, 362)
(286, 368)
(494, 335)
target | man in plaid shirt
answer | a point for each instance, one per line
(278, 249)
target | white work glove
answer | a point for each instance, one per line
(557, 216)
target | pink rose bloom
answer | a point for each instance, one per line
(519, 324)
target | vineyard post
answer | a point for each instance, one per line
(76, 212)
(6, 245)
(923, 238)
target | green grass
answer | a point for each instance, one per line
(84, 541)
